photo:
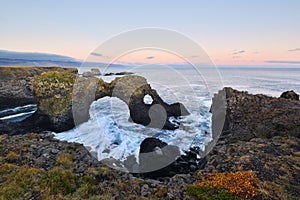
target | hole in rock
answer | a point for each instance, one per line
(148, 99)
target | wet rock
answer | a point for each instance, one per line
(154, 156)
(124, 73)
(159, 160)
(109, 74)
(132, 90)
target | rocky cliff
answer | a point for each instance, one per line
(64, 98)
(15, 84)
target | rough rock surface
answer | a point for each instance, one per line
(15, 84)
(157, 160)
(132, 89)
(260, 134)
(258, 116)
(37, 155)
(290, 95)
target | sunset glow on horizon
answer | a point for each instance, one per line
(231, 32)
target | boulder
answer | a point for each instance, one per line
(157, 159)
(155, 156)
(87, 74)
(95, 71)
(290, 95)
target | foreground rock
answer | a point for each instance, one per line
(157, 160)
(37, 166)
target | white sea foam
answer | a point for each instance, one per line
(111, 135)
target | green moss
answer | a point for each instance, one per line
(59, 181)
(18, 181)
(210, 193)
(54, 91)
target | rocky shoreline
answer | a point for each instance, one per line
(261, 134)
(64, 98)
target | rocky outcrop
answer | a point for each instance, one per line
(132, 90)
(290, 95)
(250, 116)
(15, 84)
(260, 134)
(118, 73)
(95, 71)
(64, 99)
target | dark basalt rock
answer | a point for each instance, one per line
(124, 73)
(258, 116)
(158, 159)
(151, 144)
(118, 73)
(38, 122)
(290, 95)
(132, 90)
(109, 74)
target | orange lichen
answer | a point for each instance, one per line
(244, 184)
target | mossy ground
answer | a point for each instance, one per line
(54, 91)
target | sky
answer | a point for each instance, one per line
(232, 32)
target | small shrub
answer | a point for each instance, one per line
(210, 193)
